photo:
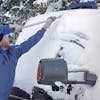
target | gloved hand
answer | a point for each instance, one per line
(16, 27)
(49, 22)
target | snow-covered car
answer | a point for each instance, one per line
(74, 37)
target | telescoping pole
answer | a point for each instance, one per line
(37, 23)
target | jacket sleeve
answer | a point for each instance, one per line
(28, 44)
(4, 29)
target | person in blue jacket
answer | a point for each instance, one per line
(9, 55)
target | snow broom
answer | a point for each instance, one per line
(56, 70)
(37, 23)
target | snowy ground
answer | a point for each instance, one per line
(79, 25)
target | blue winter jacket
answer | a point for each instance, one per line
(4, 29)
(9, 59)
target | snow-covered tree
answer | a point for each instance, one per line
(19, 11)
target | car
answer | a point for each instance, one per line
(74, 37)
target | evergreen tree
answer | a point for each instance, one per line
(20, 11)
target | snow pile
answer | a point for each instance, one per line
(86, 24)
(92, 55)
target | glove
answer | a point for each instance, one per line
(49, 22)
(16, 27)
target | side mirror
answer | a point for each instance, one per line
(53, 70)
(81, 77)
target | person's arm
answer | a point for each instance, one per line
(25, 46)
(28, 44)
